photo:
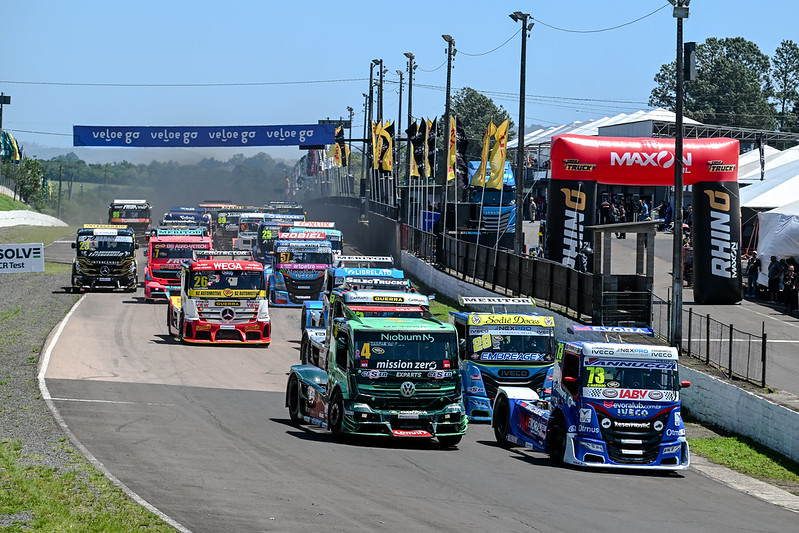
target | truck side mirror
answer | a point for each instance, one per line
(136, 246)
(74, 245)
(685, 384)
(569, 379)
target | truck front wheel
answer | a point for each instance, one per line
(501, 421)
(305, 350)
(556, 439)
(335, 415)
(294, 400)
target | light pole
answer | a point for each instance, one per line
(4, 100)
(380, 93)
(351, 111)
(680, 12)
(411, 67)
(518, 16)
(450, 54)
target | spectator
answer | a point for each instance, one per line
(604, 211)
(668, 216)
(789, 291)
(643, 211)
(531, 208)
(774, 273)
(753, 268)
(688, 215)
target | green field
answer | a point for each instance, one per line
(43, 234)
(8, 204)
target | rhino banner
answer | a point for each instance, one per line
(579, 163)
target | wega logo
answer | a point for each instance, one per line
(719, 166)
(662, 159)
(228, 266)
(723, 251)
(575, 201)
(575, 165)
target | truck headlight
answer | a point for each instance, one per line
(280, 283)
(263, 311)
(190, 310)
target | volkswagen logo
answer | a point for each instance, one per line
(407, 389)
(104, 270)
(228, 314)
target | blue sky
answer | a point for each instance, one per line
(308, 60)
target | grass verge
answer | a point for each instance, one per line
(44, 234)
(744, 455)
(80, 499)
(9, 204)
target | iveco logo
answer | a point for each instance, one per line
(407, 389)
(513, 373)
(228, 314)
(104, 270)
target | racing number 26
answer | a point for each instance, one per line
(201, 281)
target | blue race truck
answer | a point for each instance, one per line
(612, 406)
(503, 342)
(492, 212)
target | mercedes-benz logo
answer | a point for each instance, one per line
(228, 314)
(104, 270)
(407, 389)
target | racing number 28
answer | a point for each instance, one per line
(481, 343)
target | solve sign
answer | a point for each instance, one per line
(21, 258)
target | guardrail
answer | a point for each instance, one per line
(739, 354)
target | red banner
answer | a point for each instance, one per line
(642, 161)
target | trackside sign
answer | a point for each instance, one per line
(21, 258)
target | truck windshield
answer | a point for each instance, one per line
(616, 374)
(305, 256)
(130, 213)
(174, 251)
(404, 350)
(108, 245)
(510, 344)
(240, 280)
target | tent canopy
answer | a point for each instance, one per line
(777, 235)
(780, 187)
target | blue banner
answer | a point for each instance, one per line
(203, 136)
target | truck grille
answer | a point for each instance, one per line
(303, 290)
(428, 396)
(166, 274)
(632, 441)
(242, 315)
(88, 268)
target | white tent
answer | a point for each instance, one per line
(777, 235)
(780, 187)
(749, 163)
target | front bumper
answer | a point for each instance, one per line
(157, 290)
(128, 281)
(359, 419)
(587, 452)
(202, 332)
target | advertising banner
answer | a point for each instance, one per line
(571, 207)
(21, 258)
(642, 160)
(203, 136)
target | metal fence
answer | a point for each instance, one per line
(503, 271)
(739, 354)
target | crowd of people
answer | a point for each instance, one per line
(783, 280)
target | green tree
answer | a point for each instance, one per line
(785, 76)
(28, 175)
(475, 111)
(732, 86)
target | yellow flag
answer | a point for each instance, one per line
(377, 144)
(498, 154)
(387, 155)
(427, 169)
(452, 155)
(479, 178)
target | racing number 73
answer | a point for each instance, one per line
(596, 375)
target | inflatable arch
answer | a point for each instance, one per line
(579, 163)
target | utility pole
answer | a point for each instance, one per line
(443, 200)
(518, 240)
(380, 94)
(680, 12)
(4, 100)
(60, 172)
(399, 134)
(349, 144)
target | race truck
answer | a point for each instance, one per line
(247, 236)
(166, 253)
(268, 232)
(187, 216)
(285, 208)
(503, 342)
(384, 376)
(226, 227)
(361, 275)
(105, 257)
(298, 268)
(333, 235)
(220, 301)
(612, 406)
(343, 300)
(132, 213)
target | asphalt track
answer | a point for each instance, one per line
(201, 433)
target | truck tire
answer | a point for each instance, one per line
(293, 399)
(169, 321)
(305, 350)
(335, 415)
(450, 441)
(556, 439)
(303, 318)
(501, 421)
